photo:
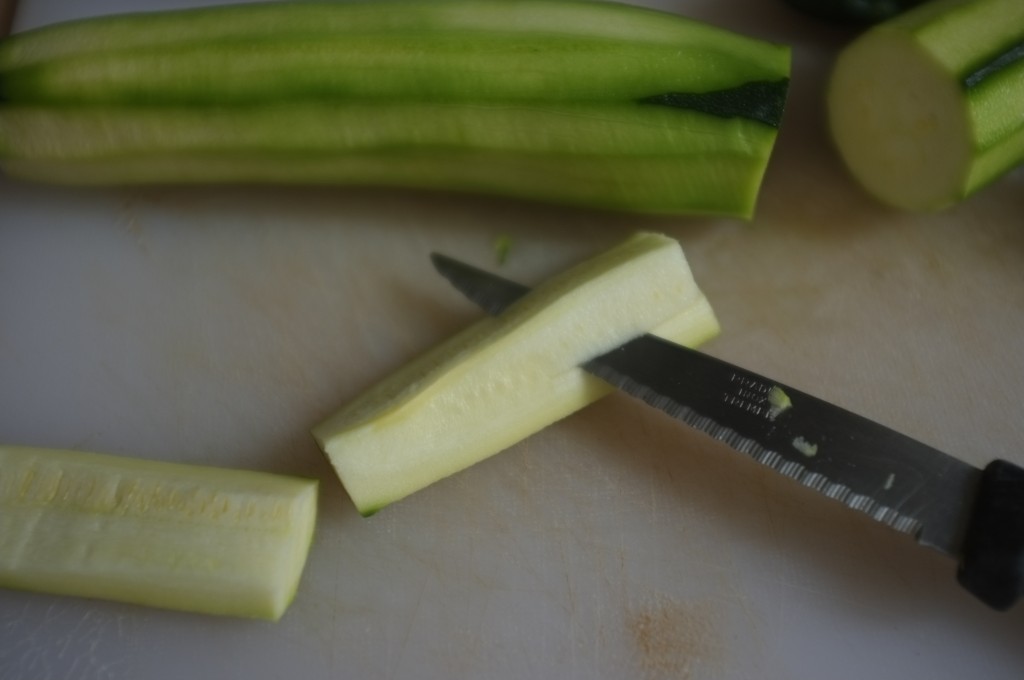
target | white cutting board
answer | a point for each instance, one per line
(218, 325)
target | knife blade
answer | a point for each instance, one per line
(973, 515)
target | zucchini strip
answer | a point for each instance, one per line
(185, 537)
(506, 377)
(439, 66)
(316, 128)
(644, 184)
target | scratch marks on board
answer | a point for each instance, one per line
(63, 641)
(130, 221)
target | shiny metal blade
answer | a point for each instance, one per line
(897, 480)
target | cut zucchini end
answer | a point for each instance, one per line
(900, 122)
(295, 553)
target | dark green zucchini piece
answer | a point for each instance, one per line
(587, 103)
(345, 20)
(508, 376)
(623, 156)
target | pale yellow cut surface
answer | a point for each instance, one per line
(926, 109)
(186, 537)
(506, 377)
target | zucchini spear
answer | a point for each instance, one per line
(929, 107)
(588, 103)
(188, 537)
(506, 377)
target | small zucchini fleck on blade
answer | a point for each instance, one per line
(186, 537)
(587, 103)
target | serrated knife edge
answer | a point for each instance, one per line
(768, 457)
(940, 495)
(975, 515)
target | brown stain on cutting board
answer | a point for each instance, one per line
(673, 639)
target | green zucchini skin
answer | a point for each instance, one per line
(344, 20)
(760, 101)
(559, 101)
(926, 147)
(440, 66)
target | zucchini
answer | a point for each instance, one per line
(344, 20)
(506, 377)
(854, 12)
(928, 108)
(588, 103)
(631, 156)
(184, 537)
(444, 66)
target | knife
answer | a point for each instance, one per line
(976, 516)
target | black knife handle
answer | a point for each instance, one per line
(992, 568)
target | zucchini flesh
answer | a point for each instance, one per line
(184, 537)
(927, 108)
(506, 377)
(332, 93)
